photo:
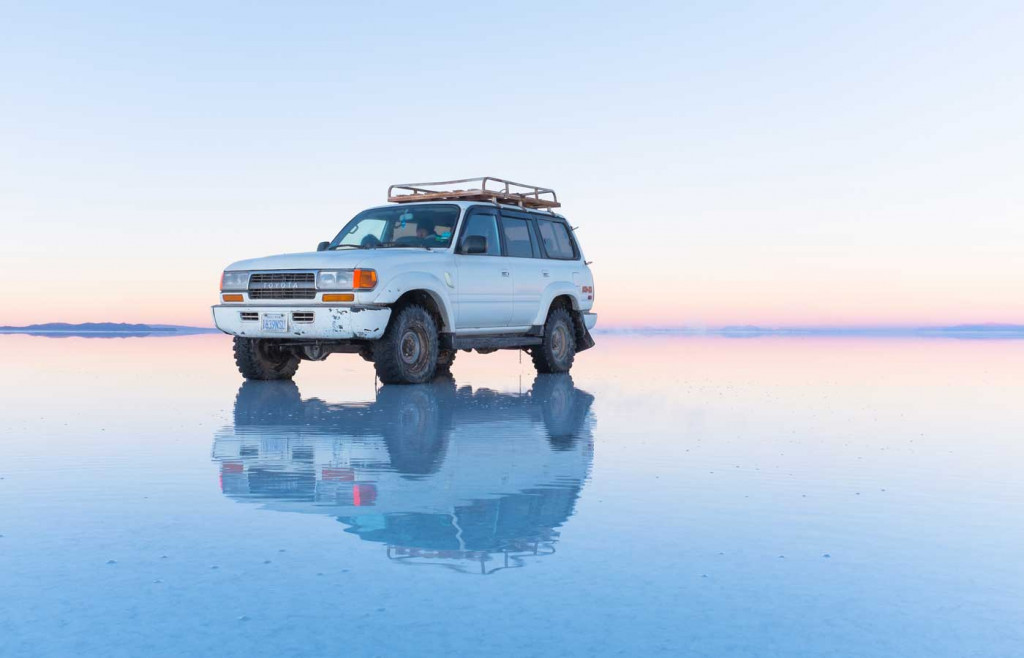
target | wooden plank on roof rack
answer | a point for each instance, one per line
(475, 195)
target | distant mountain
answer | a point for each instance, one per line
(103, 329)
(990, 330)
(86, 326)
(743, 331)
(992, 326)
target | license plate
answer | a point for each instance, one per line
(274, 322)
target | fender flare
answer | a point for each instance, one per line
(390, 291)
(555, 289)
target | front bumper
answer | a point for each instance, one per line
(307, 322)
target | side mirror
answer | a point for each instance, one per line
(323, 246)
(474, 244)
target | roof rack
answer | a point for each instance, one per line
(487, 188)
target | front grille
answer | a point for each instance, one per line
(282, 294)
(264, 278)
(302, 316)
(282, 285)
(248, 316)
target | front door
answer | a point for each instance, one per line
(485, 285)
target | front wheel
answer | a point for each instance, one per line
(558, 350)
(407, 352)
(264, 359)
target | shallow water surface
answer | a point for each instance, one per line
(674, 496)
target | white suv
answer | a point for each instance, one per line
(408, 284)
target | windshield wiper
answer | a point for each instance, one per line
(407, 246)
(339, 246)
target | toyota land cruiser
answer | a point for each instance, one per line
(407, 285)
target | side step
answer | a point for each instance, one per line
(493, 342)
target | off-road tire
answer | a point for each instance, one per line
(445, 359)
(263, 360)
(558, 350)
(407, 352)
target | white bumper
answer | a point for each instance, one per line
(326, 322)
(590, 320)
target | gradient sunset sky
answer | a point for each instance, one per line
(726, 163)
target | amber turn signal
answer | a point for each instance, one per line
(231, 298)
(343, 297)
(364, 279)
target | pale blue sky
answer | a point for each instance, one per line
(794, 163)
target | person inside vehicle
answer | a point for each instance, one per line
(426, 231)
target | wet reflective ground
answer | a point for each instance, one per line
(675, 496)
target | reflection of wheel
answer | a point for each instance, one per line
(264, 359)
(413, 424)
(558, 350)
(407, 352)
(267, 403)
(563, 407)
(445, 359)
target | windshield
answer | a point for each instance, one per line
(427, 226)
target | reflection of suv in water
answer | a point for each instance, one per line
(435, 473)
(409, 284)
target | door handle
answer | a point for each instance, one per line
(505, 273)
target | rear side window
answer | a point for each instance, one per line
(555, 236)
(486, 226)
(519, 241)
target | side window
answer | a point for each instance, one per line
(519, 241)
(555, 236)
(485, 226)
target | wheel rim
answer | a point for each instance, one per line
(413, 349)
(560, 342)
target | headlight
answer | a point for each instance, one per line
(346, 279)
(334, 279)
(234, 281)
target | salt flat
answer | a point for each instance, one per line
(676, 496)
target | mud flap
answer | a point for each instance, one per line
(584, 341)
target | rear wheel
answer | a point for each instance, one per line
(407, 352)
(264, 359)
(558, 350)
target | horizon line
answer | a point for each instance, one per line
(992, 329)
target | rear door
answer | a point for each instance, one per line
(562, 260)
(485, 285)
(522, 248)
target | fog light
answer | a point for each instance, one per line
(231, 298)
(339, 297)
